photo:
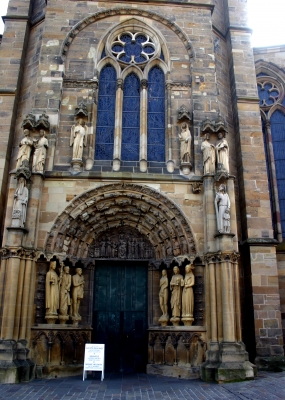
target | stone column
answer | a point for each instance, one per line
(92, 136)
(226, 358)
(118, 126)
(143, 127)
(170, 162)
(8, 320)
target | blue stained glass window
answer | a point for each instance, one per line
(267, 95)
(278, 139)
(156, 115)
(132, 48)
(131, 119)
(106, 114)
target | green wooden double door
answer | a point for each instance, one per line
(120, 314)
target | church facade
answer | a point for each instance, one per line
(142, 196)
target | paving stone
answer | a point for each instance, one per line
(269, 386)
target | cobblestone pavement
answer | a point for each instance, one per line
(145, 387)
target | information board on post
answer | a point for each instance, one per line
(94, 359)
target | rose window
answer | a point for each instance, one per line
(268, 93)
(133, 48)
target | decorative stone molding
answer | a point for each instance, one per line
(183, 113)
(24, 171)
(197, 187)
(113, 206)
(221, 256)
(80, 83)
(43, 122)
(126, 11)
(81, 110)
(29, 122)
(19, 252)
(214, 126)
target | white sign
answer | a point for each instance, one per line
(94, 358)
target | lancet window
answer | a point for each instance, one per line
(131, 99)
(272, 106)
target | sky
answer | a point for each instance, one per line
(266, 18)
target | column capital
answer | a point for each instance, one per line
(144, 83)
(120, 84)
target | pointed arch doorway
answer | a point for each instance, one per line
(120, 313)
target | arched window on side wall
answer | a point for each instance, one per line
(277, 122)
(271, 94)
(106, 114)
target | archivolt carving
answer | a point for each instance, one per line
(126, 11)
(121, 206)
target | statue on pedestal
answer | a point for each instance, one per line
(163, 298)
(64, 294)
(222, 206)
(26, 146)
(78, 139)
(52, 294)
(40, 153)
(188, 296)
(77, 294)
(185, 143)
(176, 284)
(20, 204)
(209, 156)
(222, 151)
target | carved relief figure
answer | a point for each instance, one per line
(222, 151)
(163, 294)
(185, 143)
(20, 203)
(64, 292)
(209, 156)
(188, 295)
(73, 246)
(77, 292)
(52, 290)
(26, 146)
(122, 247)
(40, 153)
(78, 139)
(222, 204)
(176, 288)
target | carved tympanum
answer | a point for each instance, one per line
(122, 243)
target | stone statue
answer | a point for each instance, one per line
(176, 288)
(78, 139)
(222, 205)
(185, 143)
(163, 298)
(26, 146)
(227, 222)
(77, 293)
(222, 151)
(64, 294)
(188, 296)
(20, 204)
(209, 156)
(40, 153)
(52, 294)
